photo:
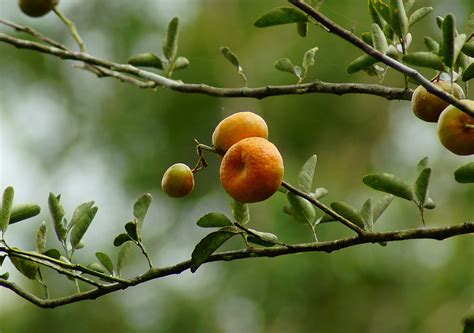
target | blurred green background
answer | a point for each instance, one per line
(65, 131)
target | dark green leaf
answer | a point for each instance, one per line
(57, 213)
(146, 60)
(105, 260)
(2, 259)
(208, 245)
(424, 59)
(302, 28)
(81, 219)
(419, 14)
(122, 238)
(285, 65)
(53, 253)
(421, 185)
(468, 49)
(378, 38)
(231, 57)
(4, 276)
(23, 212)
(366, 213)
(319, 193)
(95, 266)
(431, 44)
(41, 236)
(374, 14)
(140, 208)
(380, 206)
(214, 220)
(170, 42)
(303, 210)
(349, 212)
(262, 238)
(465, 173)
(5, 212)
(132, 230)
(422, 164)
(398, 17)
(26, 267)
(447, 45)
(383, 10)
(468, 73)
(367, 38)
(439, 21)
(308, 59)
(389, 183)
(240, 212)
(281, 15)
(306, 174)
(122, 256)
(360, 63)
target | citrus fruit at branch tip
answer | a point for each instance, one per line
(236, 127)
(178, 180)
(37, 8)
(427, 106)
(252, 170)
(456, 129)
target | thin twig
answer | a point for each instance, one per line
(72, 28)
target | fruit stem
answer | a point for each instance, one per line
(72, 28)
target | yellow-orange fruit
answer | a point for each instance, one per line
(427, 106)
(456, 129)
(37, 8)
(236, 127)
(178, 180)
(252, 170)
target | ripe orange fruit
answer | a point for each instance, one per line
(427, 106)
(37, 8)
(178, 180)
(456, 129)
(236, 127)
(252, 170)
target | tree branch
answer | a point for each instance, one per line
(356, 41)
(438, 233)
(152, 80)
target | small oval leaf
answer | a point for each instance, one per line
(41, 237)
(26, 267)
(262, 238)
(431, 44)
(214, 220)
(281, 15)
(57, 213)
(319, 193)
(303, 210)
(285, 65)
(349, 212)
(378, 38)
(122, 238)
(208, 245)
(5, 212)
(230, 56)
(380, 206)
(308, 59)
(95, 266)
(465, 173)
(180, 63)
(389, 183)
(424, 59)
(448, 28)
(302, 28)
(81, 219)
(105, 260)
(399, 19)
(306, 174)
(419, 14)
(240, 212)
(170, 42)
(23, 212)
(421, 185)
(132, 230)
(122, 256)
(53, 253)
(146, 60)
(468, 73)
(468, 49)
(140, 208)
(360, 63)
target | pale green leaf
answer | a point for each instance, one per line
(214, 220)
(378, 38)
(122, 257)
(105, 260)
(349, 212)
(421, 185)
(281, 15)
(240, 212)
(303, 211)
(81, 219)
(419, 14)
(389, 183)
(41, 237)
(5, 212)
(170, 42)
(424, 59)
(146, 60)
(306, 174)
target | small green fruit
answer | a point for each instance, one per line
(37, 8)
(178, 180)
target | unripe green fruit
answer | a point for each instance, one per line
(37, 8)
(178, 180)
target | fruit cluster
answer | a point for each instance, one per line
(455, 128)
(251, 168)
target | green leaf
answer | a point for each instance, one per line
(469, 26)
(97, 267)
(424, 59)
(132, 230)
(429, 203)
(448, 28)
(468, 73)
(306, 174)
(263, 238)
(380, 206)
(459, 42)
(392, 52)
(399, 19)
(4, 276)
(308, 58)
(419, 14)
(53, 253)
(57, 213)
(389, 183)
(180, 63)
(374, 14)
(360, 63)
(81, 219)
(240, 212)
(378, 38)
(422, 164)
(303, 211)
(421, 185)
(214, 220)
(349, 212)
(2, 259)
(122, 256)
(5, 212)
(383, 10)
(281, 15)
(23, 212)
(122, 238)
(319, 193)
(26, 267)
(367, 38)
(409, 5)
(465, 173)
(170, 42)
(140, 208)
(231, 57)
(105, 260)
(366, 213)
(431, 44)
(285, 65)
(41, 237)
(302, 28)
(208, 245)
(146, 60)
(468, 49)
